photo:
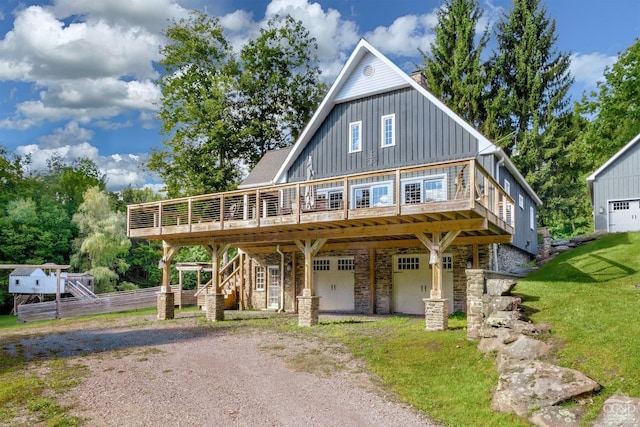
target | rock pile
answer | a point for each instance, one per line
(528, 385)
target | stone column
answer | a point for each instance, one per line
(214, 306)
(166, 302)
(475, 290)
(308, 309)
(436, 314)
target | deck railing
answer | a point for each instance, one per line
(411, 190)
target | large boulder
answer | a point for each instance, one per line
(500, 303)
(533, 385)
(619, 411)
(503, 319)
(558, 416)
(498, 287)
(523, 349)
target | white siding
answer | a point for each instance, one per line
(379, 78)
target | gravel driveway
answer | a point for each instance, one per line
(183, 373)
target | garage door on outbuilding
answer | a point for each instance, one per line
(624, 215)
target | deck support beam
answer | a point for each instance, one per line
(166, 297)
(309, 303)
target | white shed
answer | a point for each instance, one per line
(33, 281)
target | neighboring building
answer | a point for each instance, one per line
(33, 281)
(384, 201)
(615, 191)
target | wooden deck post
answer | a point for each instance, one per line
(214, 299)
(309, 303)
(166, 298)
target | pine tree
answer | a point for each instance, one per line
(453, 68)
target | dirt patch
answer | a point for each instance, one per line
(187, 373)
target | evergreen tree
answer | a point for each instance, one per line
(453, 69)
(529, 99)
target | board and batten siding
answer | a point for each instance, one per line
(619, 181)
(424, 134)
(525, 237)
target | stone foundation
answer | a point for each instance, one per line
(308, 309)
(166, 303)
(214, 306)
(436, 312)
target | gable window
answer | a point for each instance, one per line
(373, 195)
(425, 189)
(259, 278)
(388, 130)
(355, 137)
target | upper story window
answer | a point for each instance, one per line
(507, 187)
(355, 137)
(388, 130)
(532, 218)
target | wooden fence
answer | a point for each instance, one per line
(104, 303)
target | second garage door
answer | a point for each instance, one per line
(333, 281)
(412, 282)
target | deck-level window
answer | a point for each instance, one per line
(425, 189)
(355, 137)
(388, 130)
(373, 195)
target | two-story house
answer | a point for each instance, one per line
(380, 206)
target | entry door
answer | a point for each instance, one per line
(333, 280)
(273, 294)
(624, 215)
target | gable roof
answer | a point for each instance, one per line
(368, 72)
(26, 271)
(613, 158)
(264, 172)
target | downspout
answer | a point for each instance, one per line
(495, 245)
(281, 304)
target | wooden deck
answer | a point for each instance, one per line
(383, 208)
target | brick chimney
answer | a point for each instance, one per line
(419, 77)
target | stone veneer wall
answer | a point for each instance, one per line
(258, 299)
(510, 258)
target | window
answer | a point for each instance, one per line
(321, 265)
(355, 137)
(259, 278)
(408, 263)
(37, 282)
(620, 206)
(17, 281)
(388, 130)
(447, 262)
(426, 189)
(374, 195)
(335, 200)
(507, 187)
(345, 264)
(532, 218)
(521, 201)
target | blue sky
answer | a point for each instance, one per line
(77, 76)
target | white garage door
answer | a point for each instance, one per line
(412, 282)
(333, 281)
(624, 215)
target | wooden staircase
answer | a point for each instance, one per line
(230, 282)
(78, 290)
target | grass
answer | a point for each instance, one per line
(589, 296)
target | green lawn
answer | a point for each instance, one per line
(589, 296)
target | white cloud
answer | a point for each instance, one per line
(70, 134)
(588, 68)
(405, 35)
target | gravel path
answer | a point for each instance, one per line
(185, 374)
